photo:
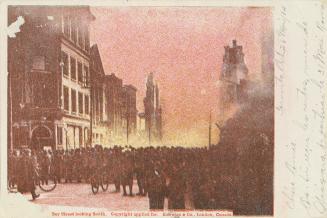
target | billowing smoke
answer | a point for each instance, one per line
(246, 148)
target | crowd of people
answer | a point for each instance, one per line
(161, 172)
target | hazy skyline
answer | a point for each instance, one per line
(184, 47)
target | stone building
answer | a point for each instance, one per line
(152, 111)
(129, 112)
(99, 107)
(141, 123)
(48, 65)
(114, 99)
(233, 77)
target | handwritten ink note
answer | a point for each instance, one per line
(300, 105)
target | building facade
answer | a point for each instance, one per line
(48, 65)
(114, 99)
(129, 112)
(141, 123)
(152, 111)
(99, 115)
(233, 78)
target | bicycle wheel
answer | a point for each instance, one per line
(49, 184)
(94, 185)
(105, 182)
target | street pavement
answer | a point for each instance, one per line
(80, 195)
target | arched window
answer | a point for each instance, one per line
(41, 136)
(42, 132)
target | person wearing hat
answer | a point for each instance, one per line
(176, 187)
(116, 167)
(26, 181)
(127, 172)
(156, 187)
(140, 171)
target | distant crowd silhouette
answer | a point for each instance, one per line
(194, 175)
(172, 172)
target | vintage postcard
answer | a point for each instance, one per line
(163, 109)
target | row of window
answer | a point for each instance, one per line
(97, 137)
(77, 31)
(74, 69)
(74, 97)
(98, 103)
(60, 135)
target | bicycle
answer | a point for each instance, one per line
(98, 180)
(47, 182)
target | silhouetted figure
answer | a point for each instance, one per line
(156, 188)
(176, 188)
(127, 173)
(28, 175)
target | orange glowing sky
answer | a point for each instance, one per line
(184, 46)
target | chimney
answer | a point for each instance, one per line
(234, 43)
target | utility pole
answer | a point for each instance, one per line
(209, 130)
